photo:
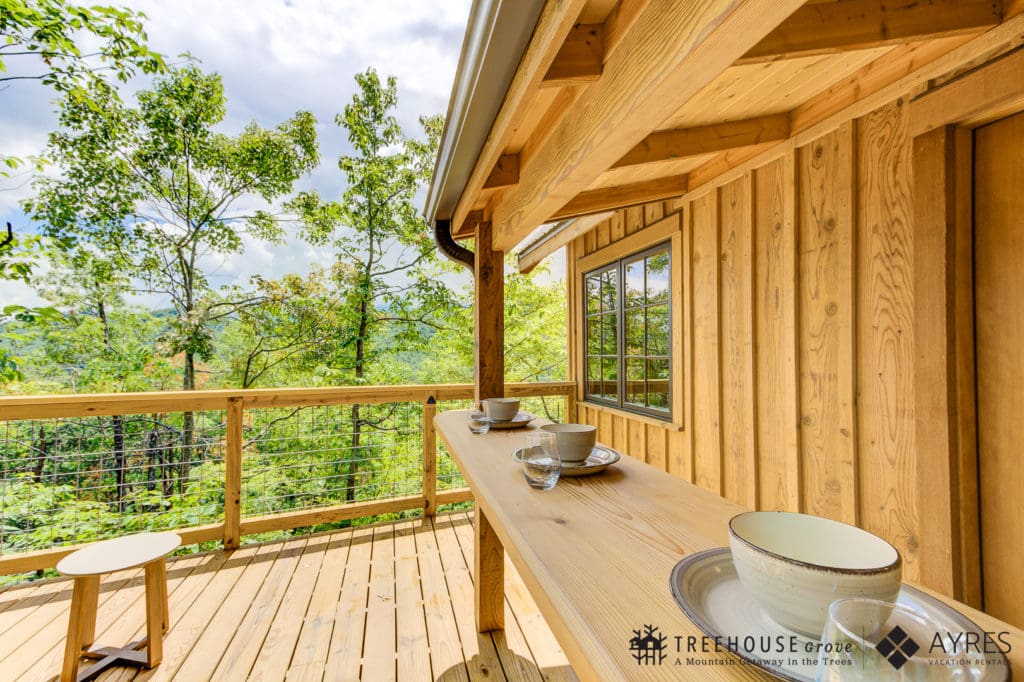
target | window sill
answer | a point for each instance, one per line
(667, 425)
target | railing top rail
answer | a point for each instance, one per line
(106, 404)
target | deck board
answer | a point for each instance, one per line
(393, 601)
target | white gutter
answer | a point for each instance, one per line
(496, 37)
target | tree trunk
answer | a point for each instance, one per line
(117, 420)
(188, 423)
(357, 424)
(37, 473)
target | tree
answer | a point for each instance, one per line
(388, 269)
(157, 187)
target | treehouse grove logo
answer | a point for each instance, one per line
(897, 647)
(648, 646)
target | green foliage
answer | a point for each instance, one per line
(46, 32)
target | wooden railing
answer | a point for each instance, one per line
(235, 404)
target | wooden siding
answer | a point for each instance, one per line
(795, 308)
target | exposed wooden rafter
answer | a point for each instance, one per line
(580, 59)
(606, 198)
(676, 144)
(555, 23)
(504, 173)
(640, 88)
(830, 27)
(560, 235)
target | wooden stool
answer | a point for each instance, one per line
(148, 550)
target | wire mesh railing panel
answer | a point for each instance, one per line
(74, 480)
(310, 457)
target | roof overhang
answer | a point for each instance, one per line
(616, 103)
(496, 35)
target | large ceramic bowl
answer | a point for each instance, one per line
(575, 441)
(502, 409)
(795, 565)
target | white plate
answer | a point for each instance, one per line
(600, 459)
(706, 587)
(520, 420)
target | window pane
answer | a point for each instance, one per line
(657, 384)
(593, 336)
(609, 334)
(635, 382)
(610, 390)
(657, 277)
(593, 294)
(635, 332)
(593, 376)
(657, 330)
(635, 283)
(609, 290)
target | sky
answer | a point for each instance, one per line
(275, 57)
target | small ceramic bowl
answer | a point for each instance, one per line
(502, 409)
(795, 565)
(575, 441)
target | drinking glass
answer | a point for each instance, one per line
(541, 463)
(875, 641)
(479, 421)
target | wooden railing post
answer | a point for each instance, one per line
(233, 476)
(429, 457)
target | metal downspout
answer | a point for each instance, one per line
(447, 245)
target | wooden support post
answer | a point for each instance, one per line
(489, 576)
(429, 458)
(233, 475)
(489, 317)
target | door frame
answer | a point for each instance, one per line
(942, 121)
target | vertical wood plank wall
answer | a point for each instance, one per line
(799, 376)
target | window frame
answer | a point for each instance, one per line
(618, 266)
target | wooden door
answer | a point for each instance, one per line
(999, 319)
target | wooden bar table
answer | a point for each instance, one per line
(596, 553)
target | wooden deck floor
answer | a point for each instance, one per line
(389, 602)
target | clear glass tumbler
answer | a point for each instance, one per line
(875, 641)
(478, 420)
(541, 463)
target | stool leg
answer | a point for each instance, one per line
(155, 608)
(166, 623)
(73, 644)
(90, 599)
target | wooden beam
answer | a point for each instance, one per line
(504, 173)
(468, 226)
(620, 196)
(529, 259)
(831, 27)
(674, 49)
(488, 317)
(675, 144)
(556, 21)
(581, 58)
(985, 94)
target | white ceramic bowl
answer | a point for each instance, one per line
(575, 441)
(502, 409)
(795, 565)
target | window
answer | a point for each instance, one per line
(628, 330)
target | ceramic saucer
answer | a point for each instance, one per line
(706, 587)
(517, 422)
(600, 459)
